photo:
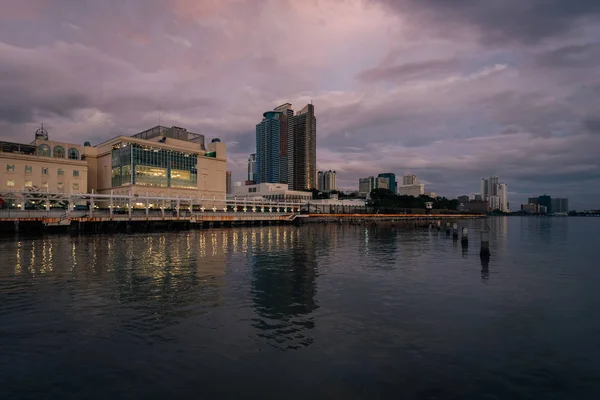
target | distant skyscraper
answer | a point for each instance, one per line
(502, 189)
(252, 168)
(382, 183)
(560, 205)
(285, 133)
(411, 186)
(546, 201)
(268, 140)
(229, 184)
(302, 150)
(392, 180)
(484, 189)
(366, 186)
(410, 180)
(326, 181)
(493, 186)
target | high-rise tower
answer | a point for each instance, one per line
(302, 150)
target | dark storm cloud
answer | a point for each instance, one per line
(506, 21)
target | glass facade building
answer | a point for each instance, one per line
(134, 164)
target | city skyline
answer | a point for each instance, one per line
(506, 93)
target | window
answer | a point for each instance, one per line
(61, 172)
(28, 183)
(61, 185)
(73, 154)
(10, 168)
(76, 186)
(59, 152)
(44, 150)
(10, 183)
(75, 172)
(44, 171)
(28, 169)
(45, 185)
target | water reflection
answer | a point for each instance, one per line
(485, 267)
(284, 289)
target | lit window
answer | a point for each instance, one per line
(28, 183)
(28, 169)
(61, 185)
(45, 185)
(61, 171)
(44, 171)
(75, 172)
(10, 182)
(76, 186)
(10, 168)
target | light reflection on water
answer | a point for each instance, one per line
(337, 308)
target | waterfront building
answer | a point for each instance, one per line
(160, 161)
(286, 131)
(43, 165)
(251, 168)
(302, 150)
(326, 181)
(391, 177)
(228, 183)
(270, 191)
(433, 195)
(268, 148)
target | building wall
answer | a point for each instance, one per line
(411, 190)
(391, 177)
(410, 180)
(56, 175)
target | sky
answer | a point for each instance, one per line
(451, 91)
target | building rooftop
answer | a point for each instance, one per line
(174, 132)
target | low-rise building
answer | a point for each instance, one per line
(160, 161)
(336, 206)
(270, 191)
(43, 165)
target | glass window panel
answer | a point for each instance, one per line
(59, 152)
(28, 169)
(10, 182)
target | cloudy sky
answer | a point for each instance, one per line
(448, 90)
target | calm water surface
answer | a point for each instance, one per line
(310, 312)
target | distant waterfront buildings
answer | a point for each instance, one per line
(367, 185)
(326, 181)
(546, 204)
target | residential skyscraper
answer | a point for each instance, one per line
(411, 186)
(484, 189)
(326, 181)
(493, 186)
(302, 150)
(252, 168)
(546, 201)
(392, 181)
(268, 140)
(285, 133)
